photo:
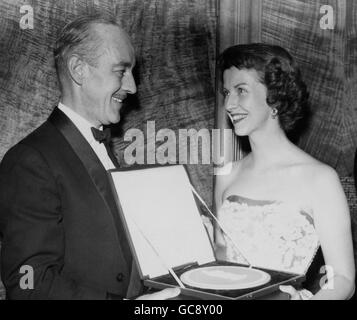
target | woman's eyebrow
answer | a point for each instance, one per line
(237, 85)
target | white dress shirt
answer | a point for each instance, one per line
(84, 126)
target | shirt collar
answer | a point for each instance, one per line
(82, 124)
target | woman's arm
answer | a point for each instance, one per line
(333, 225)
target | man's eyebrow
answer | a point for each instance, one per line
(123, 64)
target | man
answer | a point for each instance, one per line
(57, 210)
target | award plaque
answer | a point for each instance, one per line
(170, 243)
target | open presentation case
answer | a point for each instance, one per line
(165, 230)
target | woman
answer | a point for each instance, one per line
(277, 185)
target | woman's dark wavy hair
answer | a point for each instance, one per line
(286, 91)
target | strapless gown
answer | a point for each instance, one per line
(269, 234)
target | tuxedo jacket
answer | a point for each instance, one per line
(58, 216)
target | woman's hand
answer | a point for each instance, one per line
(296, 294)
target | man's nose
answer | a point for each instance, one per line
(128, 84)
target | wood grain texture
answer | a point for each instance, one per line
(349, 102)
(175, 45)
(175, 48)
(239, 23)
(327, 60)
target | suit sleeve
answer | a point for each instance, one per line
(32, 230)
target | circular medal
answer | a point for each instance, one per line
(225, 278)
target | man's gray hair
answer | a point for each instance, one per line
(78, 37)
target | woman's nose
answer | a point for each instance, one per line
(230, 103)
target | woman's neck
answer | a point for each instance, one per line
(269, 147)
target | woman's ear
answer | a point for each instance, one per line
(274, 112)
(76, 68)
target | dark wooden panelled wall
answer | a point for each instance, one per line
(326, 56)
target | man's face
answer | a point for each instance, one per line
(107, 84)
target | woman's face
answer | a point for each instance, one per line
(245, 101)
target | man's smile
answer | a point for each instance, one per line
(117, 100)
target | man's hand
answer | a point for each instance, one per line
(161, 295)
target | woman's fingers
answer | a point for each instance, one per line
(294, 294)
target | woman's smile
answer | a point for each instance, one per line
(237, 117)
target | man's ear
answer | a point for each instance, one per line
(76, 68)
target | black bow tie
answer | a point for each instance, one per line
(101, 135)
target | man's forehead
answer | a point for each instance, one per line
(120, 56)
(117, 44)
(111, 33)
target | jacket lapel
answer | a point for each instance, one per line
(96, 171)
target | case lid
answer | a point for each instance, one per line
(157, 205)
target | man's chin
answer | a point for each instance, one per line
(113, 116)
(115, 119)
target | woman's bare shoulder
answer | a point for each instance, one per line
(321, 182)
(315, 169)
